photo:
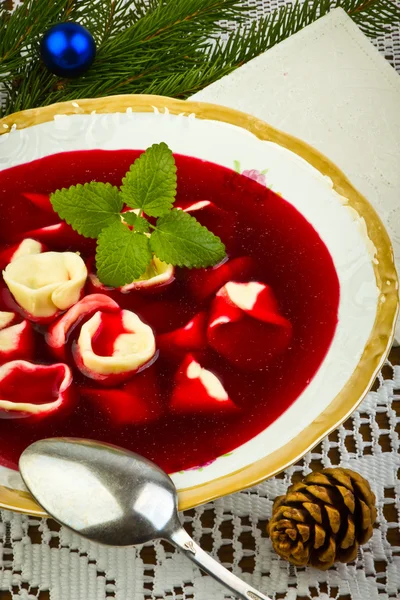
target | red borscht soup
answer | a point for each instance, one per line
(226, 350)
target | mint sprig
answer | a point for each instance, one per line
(125, 246)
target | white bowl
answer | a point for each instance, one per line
(348, 225)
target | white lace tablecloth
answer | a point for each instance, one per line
(38, 560)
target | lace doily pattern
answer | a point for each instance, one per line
(37, 555)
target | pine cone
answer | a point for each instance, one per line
(323, 519)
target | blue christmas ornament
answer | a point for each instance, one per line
(68, 49)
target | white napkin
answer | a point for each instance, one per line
(329, 86)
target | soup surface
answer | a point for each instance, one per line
(268, 241)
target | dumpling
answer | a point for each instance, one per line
(30, 390)
(44, 284)
(113, 346)
(198, 390)
(245, 325)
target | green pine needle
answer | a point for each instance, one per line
(155, 46)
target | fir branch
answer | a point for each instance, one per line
(155, 46)
(372, 16)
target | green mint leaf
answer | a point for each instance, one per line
(122, 255)
(150, 184)
(88, 208)
(180, 240)
(140, 224)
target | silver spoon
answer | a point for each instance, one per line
(114, 497)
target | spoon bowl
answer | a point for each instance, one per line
(106, 494)
(114, 497)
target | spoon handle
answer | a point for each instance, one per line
(184, 542)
